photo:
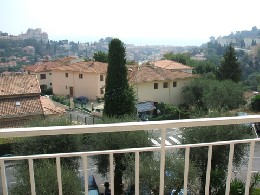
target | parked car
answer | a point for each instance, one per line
(81, 99)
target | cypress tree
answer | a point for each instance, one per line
(229, 68)
(119, 97)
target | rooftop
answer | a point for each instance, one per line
(87, 67)
(149, 73)
(18, 84)
(171, 65)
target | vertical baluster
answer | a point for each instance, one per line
(85, 169)
(208, 170)
(162, 164)
(111, 167)
(186, 171)
(230, 166)
(59, 175)
(249, 169)
(137, 161)
(32, 180)
(3, 177)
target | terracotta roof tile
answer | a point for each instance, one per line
(148, 74)
(91, 67)
(49, 108)
(43, 67)
(20, 106)
(171, 65)
(19, 84)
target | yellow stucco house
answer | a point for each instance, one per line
(43, 70)
(157, 85)
(80, 79)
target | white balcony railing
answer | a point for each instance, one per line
(132, 126)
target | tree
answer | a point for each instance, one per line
(116, 141)
(45, 169)
(229, 68)
(101, 56)
(119, 97)
(208, 94)
(220, 157)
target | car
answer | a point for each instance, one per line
(81, 99)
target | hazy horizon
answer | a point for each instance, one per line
(164, 22)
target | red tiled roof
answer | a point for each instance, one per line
(49, 108)
(67, 59)
(20, 106)
(171, 65)
(148, 74)
(18, 84)
(91, 67)
(44, 67)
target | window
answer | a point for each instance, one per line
(174, 84)
(102, 90)
(66, 87)
(42, 76)
(43, 87)
(29, 72)
(50, 73)
(155, 85)
(80, 76)
(66, 74)
(101, 77)
(50, 83)
(165, 85)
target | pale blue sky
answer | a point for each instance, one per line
(141, 22)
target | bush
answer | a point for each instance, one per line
(45, 179)
(61, 99)
(47, 92)
(255, 103)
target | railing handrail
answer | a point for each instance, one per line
(128, 150)
(128, 126)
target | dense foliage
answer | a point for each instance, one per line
(208, 94)
(229, 68)
(101, 56)
(119, 97)
(45, 170)
(220, 154)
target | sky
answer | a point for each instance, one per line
(139, 22)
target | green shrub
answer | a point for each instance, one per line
(255, 103)
(45, 179)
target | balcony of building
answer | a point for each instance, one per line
(161, 128)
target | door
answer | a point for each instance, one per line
(71, 92)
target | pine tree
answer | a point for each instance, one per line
(229, 68)
(119, 96)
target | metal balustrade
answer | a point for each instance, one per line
(132, 126)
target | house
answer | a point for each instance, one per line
(157, 85)
(44, 70)
(20, 100)
(43, 73)
(80, 79)
(172, 65)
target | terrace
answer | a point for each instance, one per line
(160, 126)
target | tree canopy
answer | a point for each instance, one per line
(213, 94)
(101, 56)
(119, 96)
(219, 162)
(229, 68)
